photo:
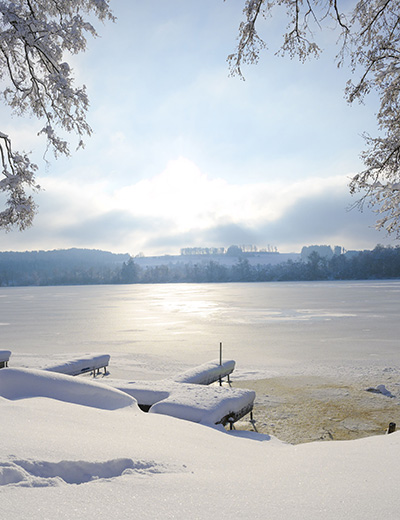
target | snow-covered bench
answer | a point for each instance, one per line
(186, 395)
(75, 367)
(197, 403)
(207, 373)
(210, 405)
(4, 358)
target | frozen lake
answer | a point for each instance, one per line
(265, 327)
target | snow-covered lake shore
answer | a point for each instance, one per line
(107, 459)
(298, 404)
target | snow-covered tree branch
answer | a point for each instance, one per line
(369, 41)
(36, 80)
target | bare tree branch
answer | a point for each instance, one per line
(33, 39)
(369, 37)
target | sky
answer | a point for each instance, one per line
(184, 155)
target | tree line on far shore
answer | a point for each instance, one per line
(105, 268)
(381, 262)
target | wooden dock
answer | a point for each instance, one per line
(192, 396)
(78, 366)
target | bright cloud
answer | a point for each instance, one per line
(183, 206)
(185, 197)
(189, 198)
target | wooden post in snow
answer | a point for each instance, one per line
(220, 361)
(392, 427)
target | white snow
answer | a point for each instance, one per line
(145, 392)
(20, 383)
(75, 449)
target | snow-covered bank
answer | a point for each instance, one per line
(305, 408)
(64, 460)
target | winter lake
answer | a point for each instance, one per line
(74, 455)
(268, 328)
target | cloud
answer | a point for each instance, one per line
(325, 219)
(182, 206)
(315, 211)
(187, 196)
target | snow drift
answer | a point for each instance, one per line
(22, 383)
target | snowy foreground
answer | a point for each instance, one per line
(90, 452)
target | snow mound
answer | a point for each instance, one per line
(30, 473)
(146, 393)
(24, 383)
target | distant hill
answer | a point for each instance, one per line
(73, 255)
(59, 267)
